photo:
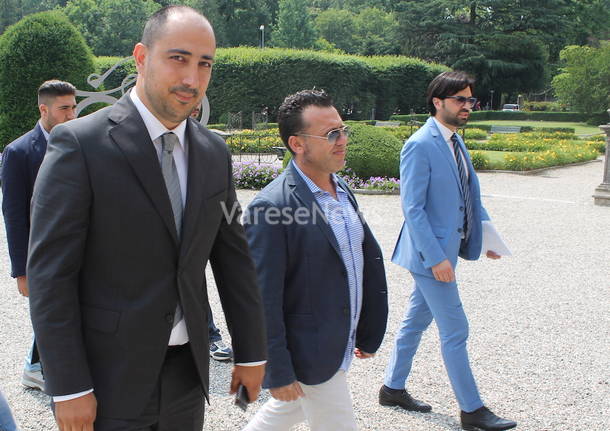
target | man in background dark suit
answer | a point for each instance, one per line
(127, 212)
(21, 160)
(320, 271)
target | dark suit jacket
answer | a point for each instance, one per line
(21, 160)
(305, 287)
(106, 268)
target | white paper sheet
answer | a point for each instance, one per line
(493, 241)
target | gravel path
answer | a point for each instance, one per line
(540, 321)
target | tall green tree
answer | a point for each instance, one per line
(338, 27)
(111, 27)
(242, 20)
(294, 26)
(584, 81)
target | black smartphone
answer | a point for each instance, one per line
(241, 398)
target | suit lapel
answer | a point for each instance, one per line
(131, 136)
(440, 142)
(304, 194)
(195, 189)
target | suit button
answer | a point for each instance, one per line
(460, 230)
(170, 318)
(461, 208)
(346, 311)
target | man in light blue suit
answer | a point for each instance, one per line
(441, 203)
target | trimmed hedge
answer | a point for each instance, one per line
(576, 117)
(40, 47)
(400, 83)
(373, 152)
(253, 80)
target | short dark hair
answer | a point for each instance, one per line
(53, 88)
(290, 112)
(154, 25)
(447, 84)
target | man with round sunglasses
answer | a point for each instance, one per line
(441, 202)
(320, 272)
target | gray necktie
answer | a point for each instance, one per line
(170, 175)
(172, 183)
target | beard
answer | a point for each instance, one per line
(455, 120)
(165, 109)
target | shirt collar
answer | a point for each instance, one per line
(313, 186)
(44, 132)
(445, 131)
(153, 125)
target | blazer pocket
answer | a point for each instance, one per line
(439, 231)
(100, 319)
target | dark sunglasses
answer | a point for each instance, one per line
(331, 136)
(462, 100)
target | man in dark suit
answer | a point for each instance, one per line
(441, 202)
(320, 271)
(127, 211)
(20, 163)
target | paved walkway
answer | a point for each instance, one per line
(540, 320)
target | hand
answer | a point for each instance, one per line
(443, 271)
(493, 255)
(361, 354)
(290, 392)
(250, 377)
(22, 285)
(77, 414)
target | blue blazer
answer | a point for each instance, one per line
(433, 205)
(305, 287)
(21, 160)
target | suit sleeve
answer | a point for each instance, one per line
(60, 219)
(16, 207)
(415, 174)
(269, 250)
(236, 282)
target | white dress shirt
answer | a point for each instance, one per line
(447, 134)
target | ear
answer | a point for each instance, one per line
(43, 109)
(140, 51)
(438, 103)
(295, 144)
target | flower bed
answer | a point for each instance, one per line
(251, 175)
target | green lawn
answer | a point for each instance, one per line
(580, 128)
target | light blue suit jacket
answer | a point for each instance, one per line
(433, 204)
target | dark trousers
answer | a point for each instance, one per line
(177, 403)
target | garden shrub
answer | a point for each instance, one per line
(114, 80)
(479, 160)
(373, 152)
(40, 47)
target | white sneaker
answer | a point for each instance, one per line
(33, 380)
(220, 352)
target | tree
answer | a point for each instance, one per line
(584, 81)
(338, 27)
(294, 26)
(39, 47)
(111, 27)
(242, 19)
(376, 32)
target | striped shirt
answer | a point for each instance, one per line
(349, 233)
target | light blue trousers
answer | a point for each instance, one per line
(432, 299)
(7, 423)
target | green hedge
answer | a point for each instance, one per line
(114, 80)
(252, 80)
(40, 47)
(508, 115)
(400, 83)
(373, 152)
